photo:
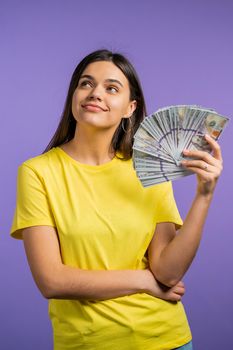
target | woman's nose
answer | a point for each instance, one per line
(96, 93)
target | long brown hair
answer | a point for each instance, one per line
(122, 140)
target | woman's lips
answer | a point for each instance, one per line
(93, 108)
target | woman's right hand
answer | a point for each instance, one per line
(158, 290)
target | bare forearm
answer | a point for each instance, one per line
(79, 284)
(177, 256)
(73, 283)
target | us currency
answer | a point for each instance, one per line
(162, 136)
(213, 125)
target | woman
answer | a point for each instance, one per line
(103, 249)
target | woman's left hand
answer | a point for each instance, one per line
(207, 167)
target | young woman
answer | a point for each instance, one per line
(103, 249)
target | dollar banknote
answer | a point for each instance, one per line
(162, 136)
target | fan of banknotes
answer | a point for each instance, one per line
(163, 135)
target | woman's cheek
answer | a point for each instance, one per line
(119, 106)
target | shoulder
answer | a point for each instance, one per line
(40, 163)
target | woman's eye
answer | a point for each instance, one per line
(112, 89)
(85, 83)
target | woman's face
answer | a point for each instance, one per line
(102, 97)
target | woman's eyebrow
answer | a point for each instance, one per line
(107, 80)
(114, 81)
(87, 76)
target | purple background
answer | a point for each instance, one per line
(183, 53)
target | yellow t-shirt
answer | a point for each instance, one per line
(105, 219)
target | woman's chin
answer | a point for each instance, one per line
(97, 125)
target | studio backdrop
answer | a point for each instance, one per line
(183, 53)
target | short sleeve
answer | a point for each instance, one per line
(167, 210)
(32, 205)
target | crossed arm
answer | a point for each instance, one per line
(59, 281)
(170, 255)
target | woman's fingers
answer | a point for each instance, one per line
(215, 158)
(217, 154)
(210, 174)
(178, 290)
(174, 293)
(201, 167)
(207, 166)
(176, 297)
(197, 164)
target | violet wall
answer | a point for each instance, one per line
(183, 52)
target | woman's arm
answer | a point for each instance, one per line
(58, 281)
(171, 254)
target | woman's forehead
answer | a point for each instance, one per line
(104, 70)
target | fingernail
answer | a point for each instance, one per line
(207, 136)
(185, 151)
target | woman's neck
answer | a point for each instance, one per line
(91, 147)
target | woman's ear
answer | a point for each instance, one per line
(131, 108)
